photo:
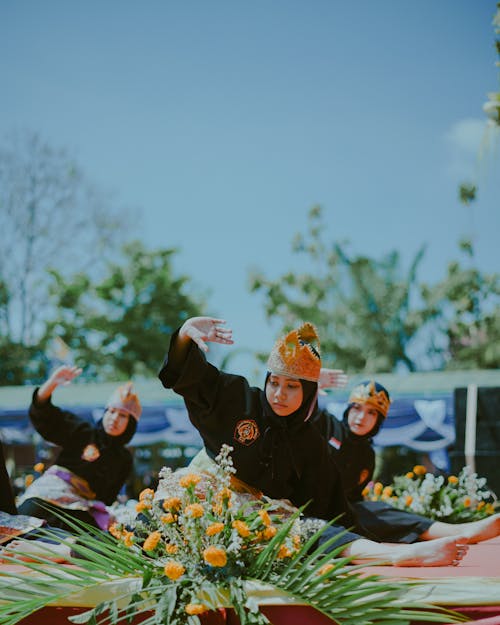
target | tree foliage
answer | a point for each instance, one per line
(119, 326)
(371, 314)
(360, 305)
(50, 216)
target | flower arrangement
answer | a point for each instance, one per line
(199, 544)
(454, 499)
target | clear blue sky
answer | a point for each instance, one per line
(224, 121)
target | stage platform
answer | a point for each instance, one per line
(472, 588)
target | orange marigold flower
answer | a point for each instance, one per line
(28, 480)
(419, 469)
(296, 541)
(481, 505)
(269, 532)
(215, 556)
(410, 475)
(173, 569)
(214, 528)
(264, 517)
(283, 552)
(325, 568)
(378, 488)
(114, 530)
(452, 479)
(223, 494)
(168, 518)
(365, 491)
(151, 541)
(39, 467)
(171, 549)
(142, 505)
(387, 492)
(172, 504)
(408, 500)
(191, 479)
(195, 608)
(128, 538)
(146, 493)
(467, 502)
(242, 528)
(194, 510)
(489, 508)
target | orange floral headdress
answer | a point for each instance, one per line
(366, 393)
(125, 399)
(297, 354)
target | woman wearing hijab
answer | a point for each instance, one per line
(93, 463)
(277, 450)
(351, 446)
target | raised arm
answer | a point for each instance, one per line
(200, 330)
(62, 375)
(332, 378)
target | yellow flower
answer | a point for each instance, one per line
(223, 494)
(28, 480)
(147, 493)
(39, 467)
(453, 479)
(410, 475)
(215, 556)
(408, 500)
(264, 517)
(128, 538)
(168, 518)
(172, 505)
(296, 541)
(191, 479)
(365, 491)
(194, 510)
(283, 552)
(481, 505)
(419, 469)
(467, 502)
(151, 541)
(325, 568)
(173, 570)
(489, 508)
(214, 528)
(387, 492)
(377, 488)
(242, 528)
(171, 549)
(195, 608)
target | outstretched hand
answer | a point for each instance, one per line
(64, 375)
(332, 378)
(203, 330)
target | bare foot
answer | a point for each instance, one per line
(31, 550)
(440, 552)
(476, 531)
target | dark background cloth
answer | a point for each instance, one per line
(7, 502)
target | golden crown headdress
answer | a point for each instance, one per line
(297, 354)
(366, 393)
(124, 398)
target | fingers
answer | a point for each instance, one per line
(461, 552)
(332, 378)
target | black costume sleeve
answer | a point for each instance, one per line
(55, 425)
(7, 502)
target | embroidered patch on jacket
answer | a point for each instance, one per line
(246, 431)
(334, 442)
(90, 453)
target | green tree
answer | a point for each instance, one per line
(360, 305)
(50, 215)
(119, 327)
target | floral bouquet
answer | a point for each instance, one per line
(200, 544)
(451, 499)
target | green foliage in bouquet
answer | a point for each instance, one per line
(198, 545)
(451, 499)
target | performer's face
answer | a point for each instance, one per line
(115, 421)
(284, 394)
(362, 418)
